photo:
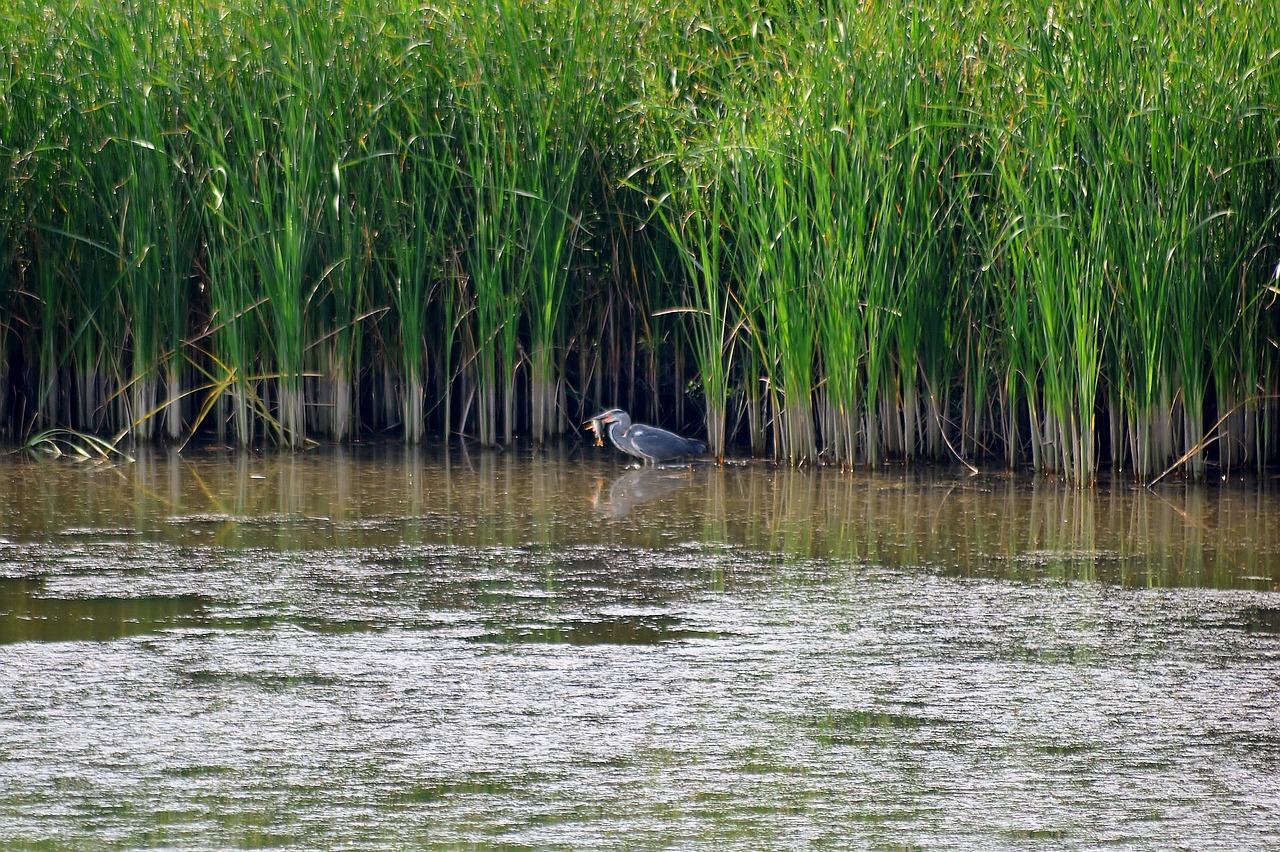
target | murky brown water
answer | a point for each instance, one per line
(385, 649)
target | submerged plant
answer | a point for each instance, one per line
(69, 443)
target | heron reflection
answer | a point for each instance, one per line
(638, 486)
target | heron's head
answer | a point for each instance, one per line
(607, 416)
(596, 423)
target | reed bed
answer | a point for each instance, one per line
(1016, 232)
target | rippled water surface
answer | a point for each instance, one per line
(380, 649)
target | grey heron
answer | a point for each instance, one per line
(648, 443)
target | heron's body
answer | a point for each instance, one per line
(647, 443)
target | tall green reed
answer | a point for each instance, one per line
(149, 203)
(271, 205)
(547, 105)
(774, 264)
(420, 181)
(494, 270)
(887, 231)
(692, 211)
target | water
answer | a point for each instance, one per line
(383, 650)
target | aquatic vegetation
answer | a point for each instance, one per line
(68, 443)
(1043, 233)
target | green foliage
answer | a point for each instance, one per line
(1039, 230)
(69, 444)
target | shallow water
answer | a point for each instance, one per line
(382, 649)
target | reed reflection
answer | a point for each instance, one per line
(992, 525)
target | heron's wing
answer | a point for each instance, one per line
(658, 443)
(642, 432)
